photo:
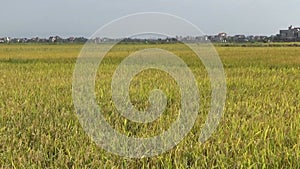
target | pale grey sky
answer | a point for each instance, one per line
(83, 17)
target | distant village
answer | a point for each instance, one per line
(291, 34)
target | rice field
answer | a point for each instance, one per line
(260, 127)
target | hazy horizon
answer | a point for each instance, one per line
(82, 18)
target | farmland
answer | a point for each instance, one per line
(260, 127)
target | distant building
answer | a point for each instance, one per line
(240, 38)
(71, 39)
(292, 34)
(34, 40)
(201, 38)
(5, 40)
(222, 37)
(52, 39)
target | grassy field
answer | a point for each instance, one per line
(260, 127)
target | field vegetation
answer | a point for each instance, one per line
(260, 127)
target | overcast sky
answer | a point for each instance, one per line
(28, 18)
